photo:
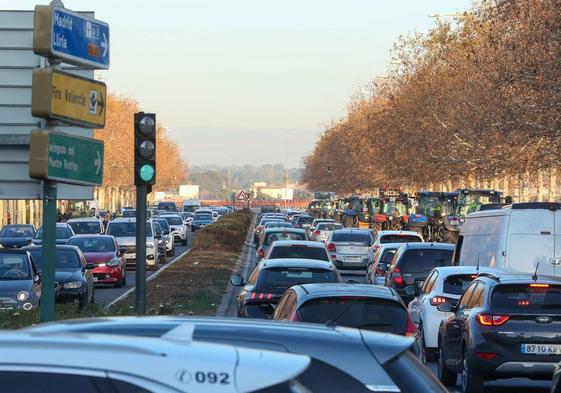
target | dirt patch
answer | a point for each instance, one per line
(193, 285)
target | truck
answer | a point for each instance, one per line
(191, 205)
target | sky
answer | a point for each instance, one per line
(250, 81)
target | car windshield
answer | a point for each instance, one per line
(203, 216)
(16, 231)
(363, 239)
(65, 259)
(126, 229)
(163, 224)
(470, 202)
(278, 224)
(85, 227)
(457, 283)
(14, 267)
(400, 239)
(358, 312)
(278, 280)
(274, 236)
(299, 251)
(527, 298)
(129, 213)
(174, 220)
(329, 227)
(61, 233)
(424, 260)
(93, 244)
(434, 206)
(394, 208)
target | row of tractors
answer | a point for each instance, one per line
(436, 215)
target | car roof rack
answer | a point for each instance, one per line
(537, 205)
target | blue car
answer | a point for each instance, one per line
(201, 219)
(63, 233)
(16, 235)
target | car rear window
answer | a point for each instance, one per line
(278, 280)
(271, 237)
(298, 251)
(86, 227)
(457, 284)
(329, 227)
(305, 220)
(424, 260)
(359, 312)
(540, 298)
(387, 256)
(278, 224)
(400, 239)
(361, 238)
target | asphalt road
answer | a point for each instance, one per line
(105, 294)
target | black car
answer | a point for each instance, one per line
(20, 285)
(343, 360)
(272, 277)
(16, 235)
(73, 276)
(502, 327)
(303, 222)
(412, 263)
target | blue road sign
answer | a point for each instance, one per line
(80, 40)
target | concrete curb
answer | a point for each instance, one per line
(153, 276)
(241, 267)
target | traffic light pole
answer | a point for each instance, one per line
(48, 252)
(140, 291)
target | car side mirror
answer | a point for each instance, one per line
(445, 307)
(237, 281)
(37, 278)
(411, 290)
(90, 266)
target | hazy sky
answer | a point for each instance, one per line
(250, 81)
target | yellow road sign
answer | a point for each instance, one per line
(70, 98)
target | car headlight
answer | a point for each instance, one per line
(22, 296)
(72, 285)
(149, 245)
(114, 262)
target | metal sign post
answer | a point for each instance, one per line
(48, 252)
(140, 291)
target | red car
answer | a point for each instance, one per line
(103, 251)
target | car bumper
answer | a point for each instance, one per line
(178, 236)
(150, 260)
(72, 295)
(9, 304)
(107, 275)
(526, 369)
(342, 262)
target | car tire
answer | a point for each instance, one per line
(184, 242)
(119, 284)
(444, 374)
(125, 279)
(471, 383)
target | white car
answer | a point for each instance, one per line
(350, 248)
(104, 363)
(443, 284)
(177, 227)
(395, 237)
(124, 231)
(322, 231)
(215, 215)
(299, 249)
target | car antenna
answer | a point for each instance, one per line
(535, 276)
(477, 266)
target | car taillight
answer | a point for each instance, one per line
(491, 319)
(536, 285)
(436, 300)
(331, 247)
(396, 278)
(259, 228)
(261, 253)
(411, 329)
(261, 296)
(375, 248)
(318, 232)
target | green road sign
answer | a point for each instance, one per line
(65, 158)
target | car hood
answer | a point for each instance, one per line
(10, 242)
(10, 288)
(126, 241)
(68, 275)
(58, 241)
(99, 257)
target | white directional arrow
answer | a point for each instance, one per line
(97, 163)
(104, 45)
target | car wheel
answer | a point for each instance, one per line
(125, 278)
(155, 267)
(445, 375)
(184, 242)
(471, 383)
(119, 284)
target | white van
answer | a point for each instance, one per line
(513, 238)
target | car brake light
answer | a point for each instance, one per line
(491, 319)
(260, 296)
(536, 285)
(331, 247)
(411, 329)
(486, 355)
(396, 278)
(318, 232)
(259, 228)
(436, 300)
(375, 248)
(261, 253)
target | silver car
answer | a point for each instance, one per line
(350, 248)
(323, 230)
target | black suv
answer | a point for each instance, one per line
(412, 263)
(502, 327)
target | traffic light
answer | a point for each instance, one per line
(145, 149)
